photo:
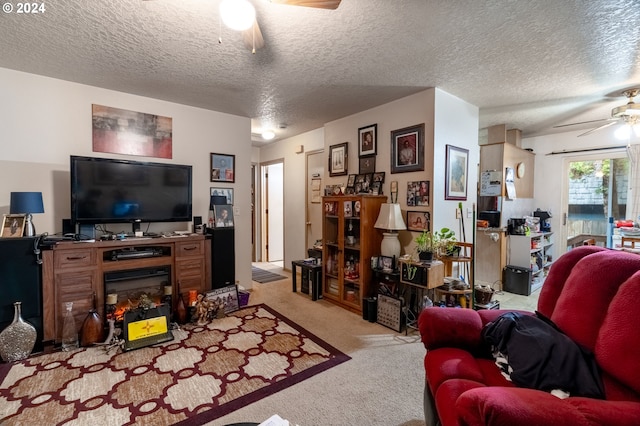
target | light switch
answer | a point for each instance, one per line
(236, 211)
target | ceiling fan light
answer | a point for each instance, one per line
(622, 133)
(267, 135)
(238, 15)
(633, 109)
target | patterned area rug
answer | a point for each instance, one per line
(204, 373)
(262, 276)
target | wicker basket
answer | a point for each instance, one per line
(483, 295)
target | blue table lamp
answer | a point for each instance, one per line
(27, 203)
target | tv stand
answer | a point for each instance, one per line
(73, 272)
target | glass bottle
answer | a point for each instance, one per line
(69, 329)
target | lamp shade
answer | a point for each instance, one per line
(26, 202)
(390, 218)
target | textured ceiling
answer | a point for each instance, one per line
(529, 64)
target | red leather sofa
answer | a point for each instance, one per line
(592, 295)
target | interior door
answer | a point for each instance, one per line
(273, 211)
(315, 175)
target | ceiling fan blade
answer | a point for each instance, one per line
(252, 37)
(320, 4)
(583, 122)
(611, 123)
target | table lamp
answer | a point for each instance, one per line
(27, 203)
(390, 219)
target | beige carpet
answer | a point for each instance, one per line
(204, 373)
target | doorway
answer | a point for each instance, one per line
(596, 189)
(272, 214)
(315, 173)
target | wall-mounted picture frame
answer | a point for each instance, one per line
(223, 216)
(367, 164)
(407, 149)
(13, 225)
(456, 173)
(363, 183)
(378, 177)
(418, 193)
(418, 221)
(367, 140)
(121, 131)
(227, 192)
(223, 167)
(338, 159)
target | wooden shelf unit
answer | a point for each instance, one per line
(347, 267)
(534, 252)
(73, 272)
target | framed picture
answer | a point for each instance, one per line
(227, 192)
(418, 193)
(407, 149)
(13, 225)
(225, 296)
(223, 167)
(338, 158)
(386, 263)
(351, 180)
(376, 188)
(223, 216)
(363, 183)
(378, 177)
(456, 173)
(367, 140)
(418, 221)
(367, 164)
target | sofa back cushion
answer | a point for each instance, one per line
(597, 293)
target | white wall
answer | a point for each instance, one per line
(46, 120)
(456, 123)
(294, 188)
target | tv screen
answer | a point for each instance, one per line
(118, 191)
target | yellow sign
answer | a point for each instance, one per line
(147, 328)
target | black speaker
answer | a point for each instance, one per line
(223, 257)
(197, 220)
(68, 227)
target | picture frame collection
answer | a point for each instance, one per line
(223, 170)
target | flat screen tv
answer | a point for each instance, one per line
(105, 190)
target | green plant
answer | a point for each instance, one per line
(444, 240)
(425, 242)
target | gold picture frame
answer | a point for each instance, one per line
(13, 225)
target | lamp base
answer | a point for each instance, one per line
(390, 246)
(29, 229)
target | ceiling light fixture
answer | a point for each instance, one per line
(267, 135)
(238, 15)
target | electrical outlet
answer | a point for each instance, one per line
(458, 214)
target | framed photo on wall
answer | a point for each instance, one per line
(338, 159)
(418, 221)
(227, 192)
(418, 193)
(407, 149)
(223, 216)
(456, 173)
(367, 140)
(367, 164)
(223, 167)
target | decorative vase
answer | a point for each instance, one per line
(18, 339)
(69, 329)
(92, 330)
(181, 311)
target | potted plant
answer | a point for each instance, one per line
(425, 246)
(444, 242)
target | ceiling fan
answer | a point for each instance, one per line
(251, 34)
(628, 113)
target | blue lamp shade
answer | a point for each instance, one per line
(26, 202)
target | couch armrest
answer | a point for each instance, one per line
(450, 327)
(502, 406)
